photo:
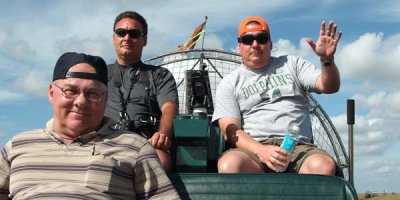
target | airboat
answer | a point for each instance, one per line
(198, 144)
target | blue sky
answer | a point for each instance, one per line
(34, 34)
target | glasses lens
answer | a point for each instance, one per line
(247, 39)
(134, 33)
(94, 96)
(261, 38)
(121, 32)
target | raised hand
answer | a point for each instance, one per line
(325, 47)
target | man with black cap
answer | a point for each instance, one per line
(142, 98)
(79, 154)
(258, 103)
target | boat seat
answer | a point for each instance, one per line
(197, 144)
(285, 186)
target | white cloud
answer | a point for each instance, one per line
(33, 82)
(21, 50)
(285, 47)
(373, 136)
(100, 46)
(14, 48)
(157, 45)
(382, 104)
(9, 96)
(212, 41)
(386, 10)
(374, 147)
(379, 167)
(3, 37)
(371, 56)
(359, 57)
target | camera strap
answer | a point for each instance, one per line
(138, 73)
(117, 76)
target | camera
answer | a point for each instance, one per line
(127, 125)
(144, 127)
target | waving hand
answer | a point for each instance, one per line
(325, 47)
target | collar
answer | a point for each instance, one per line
(132, 65)
(105, 129)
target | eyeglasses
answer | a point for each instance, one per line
(261, 38)
(134, 33)
(92, 95)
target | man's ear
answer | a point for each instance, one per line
(50, 93)
(106, 97)
(144, 40)
(114, 38)
(237, 48)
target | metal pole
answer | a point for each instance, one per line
(350, 123)
(204, 33)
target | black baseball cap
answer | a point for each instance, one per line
(69, 59)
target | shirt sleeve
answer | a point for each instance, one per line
(307, 74)
(226, 103)
(5, 168)
(151, 181)
(166, 86)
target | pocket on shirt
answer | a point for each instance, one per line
(105, 173)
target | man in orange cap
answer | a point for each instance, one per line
(259, 101)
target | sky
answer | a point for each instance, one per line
(33, 34)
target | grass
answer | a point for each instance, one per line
(380, 197)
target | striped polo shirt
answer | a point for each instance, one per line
(104, 164)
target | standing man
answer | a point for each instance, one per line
(79, 155)
(259, 101)
(142, 98)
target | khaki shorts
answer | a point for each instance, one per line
(301, 152)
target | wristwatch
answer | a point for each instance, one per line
(327, 62)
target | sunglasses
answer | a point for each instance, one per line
(261, 38)
(134, 33)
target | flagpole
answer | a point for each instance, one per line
(202, 65)
(204, 33)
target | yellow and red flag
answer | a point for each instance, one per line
(199, 31)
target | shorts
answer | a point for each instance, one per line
(300, 153)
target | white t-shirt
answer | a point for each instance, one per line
(269, 100)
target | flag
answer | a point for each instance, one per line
(189, 44)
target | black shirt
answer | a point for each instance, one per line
(152, 87)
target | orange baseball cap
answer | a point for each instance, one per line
(243, 29)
